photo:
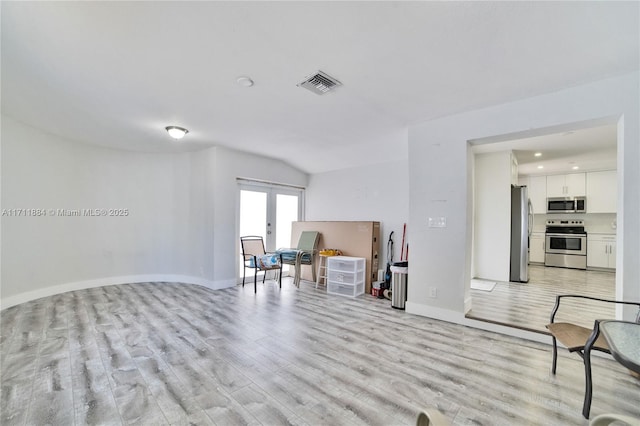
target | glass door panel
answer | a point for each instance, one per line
(286, 213)
(268, 211)
(253, 213)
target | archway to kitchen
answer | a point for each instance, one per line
(584, 150)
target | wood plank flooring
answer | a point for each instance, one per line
(529, 305)
(167, 353)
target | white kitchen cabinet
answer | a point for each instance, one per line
(602, 194)
(514, 170)
(601, 251)
(571, 185)
(538, 193)
(536, 247)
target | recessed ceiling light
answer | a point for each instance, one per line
(176, 132)
(244, 81)
(541, 167)
(575, 167)
(537, 154)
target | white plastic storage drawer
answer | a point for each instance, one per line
(338, 276)
(349, 290)
(346, 263)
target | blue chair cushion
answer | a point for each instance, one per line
(265, 261)
(288, 255)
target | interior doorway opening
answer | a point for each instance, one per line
(571, 148)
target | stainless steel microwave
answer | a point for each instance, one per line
(567, 205)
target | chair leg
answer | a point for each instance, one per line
(555, 356)
(244, 272)
(255, 281)
(280, 277)
(586, 407)
(586, 356)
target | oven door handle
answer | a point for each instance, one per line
(566, 235)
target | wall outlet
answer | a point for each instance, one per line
(433, 292)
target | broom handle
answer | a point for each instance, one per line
(404, 230)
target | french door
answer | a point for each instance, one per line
(268, 210)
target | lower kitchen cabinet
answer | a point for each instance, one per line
(536, 247)
(601, 251)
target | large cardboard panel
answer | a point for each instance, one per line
(353, 238)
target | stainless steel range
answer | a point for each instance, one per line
(566, 244)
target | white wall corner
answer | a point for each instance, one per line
(467, 303)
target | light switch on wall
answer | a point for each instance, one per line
(437, 222)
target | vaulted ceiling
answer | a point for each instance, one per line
(116, 73)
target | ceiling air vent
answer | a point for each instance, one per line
(319, 83)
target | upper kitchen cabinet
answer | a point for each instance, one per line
(571, 185)
(602, 192)
(538, 194)
(514, 169)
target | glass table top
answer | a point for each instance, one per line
(624, 341)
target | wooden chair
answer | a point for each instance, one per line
(576, 338)
(255, 257)
(304, 254)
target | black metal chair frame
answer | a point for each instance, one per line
(248, 258)
(585, 351)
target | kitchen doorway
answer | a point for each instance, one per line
(573, 148)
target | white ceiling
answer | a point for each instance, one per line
(116, 73)
(577, 150)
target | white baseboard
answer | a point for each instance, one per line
(129, 279)
(434, 312)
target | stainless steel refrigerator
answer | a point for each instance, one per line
(521, 224)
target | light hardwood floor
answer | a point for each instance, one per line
(529, 305)
(166, 353)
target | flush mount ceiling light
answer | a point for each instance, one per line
(244, 81)
(537, 154)
(541, 167)
(176, 132)
(575, 167)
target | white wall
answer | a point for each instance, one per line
(439, 168)
(376, 193)
(180, 226)
(492, 227)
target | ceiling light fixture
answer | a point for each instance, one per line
(541, 167)
(575, 167)
(537, 154)
(244, 81)
(176, 132)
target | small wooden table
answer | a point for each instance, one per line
(623, 338)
